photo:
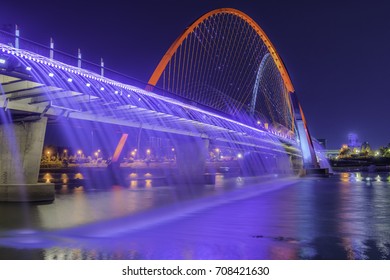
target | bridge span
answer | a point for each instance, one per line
(195, 97)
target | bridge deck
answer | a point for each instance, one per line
(33, 86)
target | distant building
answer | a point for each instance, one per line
(353, 141)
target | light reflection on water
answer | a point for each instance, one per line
(346, 216)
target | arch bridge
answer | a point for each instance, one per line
(221, 81)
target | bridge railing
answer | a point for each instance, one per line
(13, 40)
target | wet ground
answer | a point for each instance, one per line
(346, 216)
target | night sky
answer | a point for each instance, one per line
(337, 52)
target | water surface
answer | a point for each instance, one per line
(346, 216)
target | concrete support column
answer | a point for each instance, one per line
(21, 147)
(191, 155)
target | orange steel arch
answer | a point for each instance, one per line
(171, 51)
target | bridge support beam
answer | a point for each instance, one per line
(20, 155)
(310, 162)
(191, 155)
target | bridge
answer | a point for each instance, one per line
(214, 85)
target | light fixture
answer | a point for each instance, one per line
(51, 75)
(70, 80)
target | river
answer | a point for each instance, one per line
(345, 216)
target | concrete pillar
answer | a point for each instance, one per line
(20, 155)
(191, 155)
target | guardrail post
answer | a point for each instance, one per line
(51, 48)
(79, 58)
(101, 67)
(17, 33)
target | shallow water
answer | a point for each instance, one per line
(346, 216)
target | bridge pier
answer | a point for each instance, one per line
(191, 155)
(20, 155)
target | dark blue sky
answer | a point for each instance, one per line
(337, 52)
